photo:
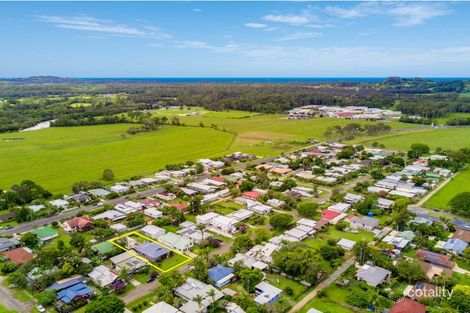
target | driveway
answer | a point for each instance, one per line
(10, 302)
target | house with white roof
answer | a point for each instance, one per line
(224, 223)
(176, 241)
(161, 307)
(353, 198)
(295, 234)
(340, 207)
(102, 276)
(247, 261)
(119, 188)
(364, 223)
(152, 231)
(110, 215)
(240, 215)
(193, 288)
(59, 203)
(153, 213)
(384, 204)
(201, 187)
(346, 244)
(205, 219)
(266, 293)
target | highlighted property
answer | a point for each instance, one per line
(152, 252)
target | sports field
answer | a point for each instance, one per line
(58, 157)
(447, 138)
(461, 183)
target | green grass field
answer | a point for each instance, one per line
(443, 120)
(58, 157)
(461, 183)
(447, 138)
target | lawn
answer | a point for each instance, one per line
(334, 301)
(460, 183)
(443, 120)
(3, 309)
(325, 306)
(447, 138)
(282, 282)
(142, 303)
(58, 157)
(335, 234)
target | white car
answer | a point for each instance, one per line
(40, 308)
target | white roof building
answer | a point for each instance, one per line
(193, 288)
(240, 215)
(152, 231)
(346, 244)
(110, 215)
(103, 276)
(340, 207)
(161, 307)
(153, 213)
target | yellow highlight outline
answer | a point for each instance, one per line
(188, 258)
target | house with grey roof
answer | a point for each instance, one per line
(364, 223)
(372, 275)
(193, 288)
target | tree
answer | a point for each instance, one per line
(400, 213)
(200, 268)
(331, 252)
(460, 204)
(281, 221)
(108, 174)
(298, 260)
(47, 297)
(195, 205)
(246, 186)
(7, 267)
(307, 209)
(198, 299)
(77, 240)
(417, 150)
(461, 298)
(242, 244)
(29, 240)
(410, 271)
(105, 304)
(250, 278)
(199, 168)
(362, 251)
(23, 214)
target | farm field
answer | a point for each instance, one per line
(58, 157)
(461, 183)
(271, 134)
(447, 138)
(443, 120)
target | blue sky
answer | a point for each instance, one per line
(235, 39)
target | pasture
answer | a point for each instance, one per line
(461, 183)
(58, 157)
(446, 138)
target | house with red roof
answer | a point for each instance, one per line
(151, 203)
(19, 255)
(405, 305)
(252, 195)
(332, 216)
(79, 223)
(434, 258)
(179, 206)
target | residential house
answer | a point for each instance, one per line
(462, 234)
(420, 291)
(221, 275)
(36, 208)
(195, 235)
(252, 195)
(67, 282)
(266, 293)
(166, 196)
(364, 223)
(19, 255)
(295, 235)
(46, 233)
(118, 227)
(352, 198)
(104, 248)
(119, 188)
(102, 276)
(247, 261)
(80, 198)
(455, 245)
(99, 192)
(384, 204)
(437, 259)
(372, 275)
(152, 231)
(8, 244)
(78, 292)
(127, 261)
(340, 207)
(240, 215)
(346, 244)
(224, 223)
(333, 217)
(201, 187)
(174, 241)
(161, 307)
(152, 251)
(153, 213)
(59, 203)
(205, 219)
(79, 223)
(128, 207)
(110, 215)
(276, 203)
(193, 288)
(405, 305)
(233, 308)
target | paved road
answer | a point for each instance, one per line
(140, 291)
(10, 302)
(349, 262)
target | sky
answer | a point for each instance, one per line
(235, 39)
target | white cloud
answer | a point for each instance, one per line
(195, 44)
(288, 19)
(403, 14)
(197, 10)
(415, 14)
(91, 24)
(300, 35)
(255, 25)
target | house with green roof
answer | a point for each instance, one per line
(103, 248)
(46, 233)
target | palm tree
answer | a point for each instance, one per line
(198, 299)
(211, 294)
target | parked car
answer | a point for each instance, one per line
(40, 308)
